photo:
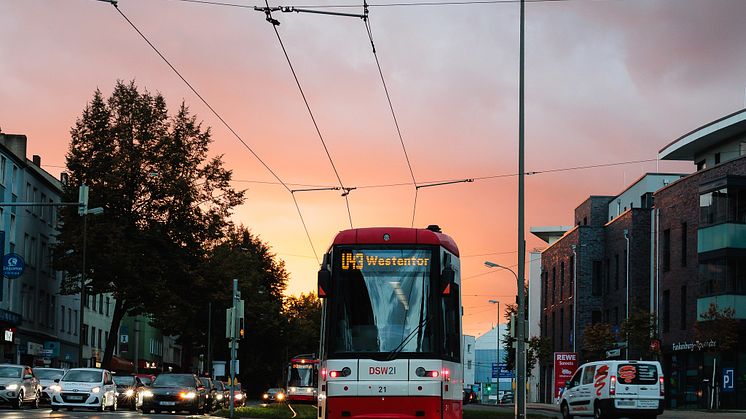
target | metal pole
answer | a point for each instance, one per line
(520, 400)
(574, 297)
(626, 317)
(497, 339)
(209, 339)
(234, 322)
(82, 339)
(137, 344)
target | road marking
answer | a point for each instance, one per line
(291, 409)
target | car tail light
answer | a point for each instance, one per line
(344, 372)
(421, 372)
(663, 386)
(612, 385)
(323, 373)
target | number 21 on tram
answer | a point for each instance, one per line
(391, 325)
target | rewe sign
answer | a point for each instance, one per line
(565, 364)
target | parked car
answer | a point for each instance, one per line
(19, 386)
(46, 377)
(607, 389)
(85, 387)
(274, 395)
(223, 394)
(212, 394)
(175, 392)
(128, 390)
(506, 398)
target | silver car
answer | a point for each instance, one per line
(46, 377)
(18, 386)
(91, 388)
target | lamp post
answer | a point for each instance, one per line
(84, 212)
(520, 356)
(497, 341)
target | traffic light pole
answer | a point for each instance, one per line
(234, 337)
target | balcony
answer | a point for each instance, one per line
(736, 302)
(721, 236)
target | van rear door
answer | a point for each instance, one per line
(638, 380)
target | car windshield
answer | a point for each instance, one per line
(167, 380)
(205, 381)
(274, 390)
(11, 372)
(49, 374)
(83, 376)
(219, 385)
(146, 380)
(383, 302)
(124, 380)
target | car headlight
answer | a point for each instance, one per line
(95, 389)
(12, 387)
(280, 396)
(129, 392)
(55, 388)
(309, 390)
(265, 396)
(147, 393)
(219, 397)
(188, 395)
(238, 396)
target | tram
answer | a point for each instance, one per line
(391, 325)
(302, 379)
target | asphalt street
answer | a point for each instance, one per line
(552, 411)
(45, 412)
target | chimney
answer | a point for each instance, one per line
(36, 159)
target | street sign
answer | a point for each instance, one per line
(729, 384)
(13, 265)
(612, 353)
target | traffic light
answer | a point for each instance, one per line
(241, 329)
(489, 387)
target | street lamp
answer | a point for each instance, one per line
(497, 341)
(84, 212)
(520, 336)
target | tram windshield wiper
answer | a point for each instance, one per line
(403, 344)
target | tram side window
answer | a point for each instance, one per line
(451, 324)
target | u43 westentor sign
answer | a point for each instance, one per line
(13, 265)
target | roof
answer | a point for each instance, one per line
(548, 233)
(704, 137)
(395, 235)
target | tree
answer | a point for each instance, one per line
(508, 340)
(164, 201)
(539, 350)
(638, 331)
(597, 339)
(718, 326)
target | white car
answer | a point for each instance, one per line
(608, 389)
(46, 377)
(91, 388)
(18, 386)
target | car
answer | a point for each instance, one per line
(146, 379)
(506, 398)
(239, 396)
(469, 396)
(274, 395)
(175, 392)
(19, 386)
(128, 390)
(607, 389)
(91, 388)
(211, 394)
(46, 377)
(223, 394)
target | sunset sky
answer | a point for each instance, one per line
(606, 82)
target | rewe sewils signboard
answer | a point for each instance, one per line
(565, 364)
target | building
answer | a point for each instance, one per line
(670, 244)
(41, 326)
(469, 361)
(147, 347)
(487, 347)
(99, 309)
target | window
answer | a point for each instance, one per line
(44, 209)
(12, 235)
(588, 374)
(99, 338)
(607, 276)
(616, 315)
(701, 165)
(571, 323)
(595, 316)
(572, 276)
(62, 319)
(554, 284)
(468, 365)
(554, 330)
(3, 164)
(683, 244)
(666, 250)
(585, 221)
(93, 337)
(107, 305)
(562, 281)
(100, 304)
(666, 315)
(722, 275)
(29, 198)
(562, 328)
(717, 158)
(70, 320)
(13, 177)
(742, 149)
(596, 283)
(682, 308)
(85, 333)
(75, 324)
(52, 307)
(616, 274)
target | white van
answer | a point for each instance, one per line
(606, 389)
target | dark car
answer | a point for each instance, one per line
(128, 390)
(469, 396)
(212, 394)
(174, 392)
(223, 394)
(239, 396)
(274, 395)
(506, 398)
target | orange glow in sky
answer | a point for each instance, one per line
(605, 82)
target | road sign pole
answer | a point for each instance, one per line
(234, 317)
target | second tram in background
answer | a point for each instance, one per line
(391, 325)
(302, 379)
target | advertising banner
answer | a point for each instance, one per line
(565, 364)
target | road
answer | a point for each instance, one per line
(45, 412)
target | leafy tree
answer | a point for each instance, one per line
(597, 339)
(638, 331)
(164, 200)
(304, 322)
(539, 350)
(509, 342)
(719, 326)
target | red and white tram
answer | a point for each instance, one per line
(391, 325)
(302, 379)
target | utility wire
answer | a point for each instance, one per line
(368, 29)
(346, 192)
(221, 119)
(396, 4)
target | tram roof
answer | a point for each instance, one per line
(396, 235)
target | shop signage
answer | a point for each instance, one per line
(693, 346)
(565, 364)
(10, 317)
(35, 349)
(52, 348)
(13, 265)
(9, 335)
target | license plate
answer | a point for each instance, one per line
(168, 403)
(625, 403)
(75, 397)
(647, 403)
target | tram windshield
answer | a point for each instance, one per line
(383, 302)
(302, 375)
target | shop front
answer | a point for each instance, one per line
(9, 322)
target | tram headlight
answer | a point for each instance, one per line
(344, 372)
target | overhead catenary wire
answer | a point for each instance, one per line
(345, 194)
(392, 4)
(221, 119)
